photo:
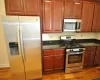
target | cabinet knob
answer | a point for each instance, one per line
(77, 3)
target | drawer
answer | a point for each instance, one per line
(59, 51)
(48, 52)
(90, 48)
(98, 49)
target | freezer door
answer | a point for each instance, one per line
(31, 48)
(11, 33)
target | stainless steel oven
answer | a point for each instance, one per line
(71, 25)
(74, 60)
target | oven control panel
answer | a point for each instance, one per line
(76, 50)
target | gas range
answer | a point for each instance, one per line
(74, 55)
(72, 46)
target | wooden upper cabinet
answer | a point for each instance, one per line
(73, 9)
(47, 16)
(77, 10)
(57, 16)
(68, 9)
(52, 15)
(32, 7)
(87, 17)
(14, 7)
(22, 7)
(96, 20)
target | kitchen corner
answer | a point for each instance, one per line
(49, 39)
(91, 53)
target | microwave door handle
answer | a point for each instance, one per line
(76, 26)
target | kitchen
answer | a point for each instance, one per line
(52, 15)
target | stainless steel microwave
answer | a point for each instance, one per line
(72, 25)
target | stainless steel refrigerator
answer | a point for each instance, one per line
(23, 41)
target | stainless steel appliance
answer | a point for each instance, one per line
(71, 25)
(74, 55)
(22, 36)
(74, 59)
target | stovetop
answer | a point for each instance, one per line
(71, 46)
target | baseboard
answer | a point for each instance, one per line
(4, 66)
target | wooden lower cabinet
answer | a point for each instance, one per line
(89, 56)
(97, 58)
(48, 63)
(89, 59)
(59, 62)
(53, 61)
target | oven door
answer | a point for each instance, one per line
(74, 59)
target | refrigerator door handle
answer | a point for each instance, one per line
(18, 36)
(22, 44)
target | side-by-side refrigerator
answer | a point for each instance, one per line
(23, 41)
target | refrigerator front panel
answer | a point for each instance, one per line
(11, 33)
(30, 33)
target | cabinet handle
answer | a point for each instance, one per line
(48, 0)
(48, 69)
(77, 3)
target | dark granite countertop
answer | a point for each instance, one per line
(57, 44)
(90, 44)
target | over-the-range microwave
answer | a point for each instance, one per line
(71, 25)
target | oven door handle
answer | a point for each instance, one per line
(75, 53)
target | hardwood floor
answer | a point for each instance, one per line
(5, 74)
(86, 74)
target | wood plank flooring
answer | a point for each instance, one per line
(86, 74)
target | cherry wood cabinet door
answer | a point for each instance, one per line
(48, 63)
(96, 20)
(87, 17)
(86, 59)
(73, 9)
(48, 60)
(32, 7)
(89, 58)
(68, 9)
(97, 58)
(59, 59)
(77, 9)
(58, 62)
(14, 7)
(58, 16)
(47, 15)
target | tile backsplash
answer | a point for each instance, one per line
(56, 36)
(98, 36)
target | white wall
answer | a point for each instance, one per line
(56, 36)
(98, 36)
(2, 7)
(4, 62)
